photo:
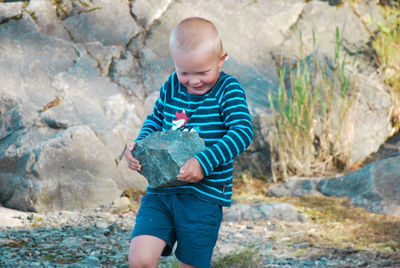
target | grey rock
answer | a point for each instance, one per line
(264, 211)
(282, 211)
(368, 124)
(91, 261)
(104, 55)
(101, 225)
(375, 187)
(59, 173)
(97, 24)
(71, 243)
(243, 212)
(10, 10)
(371, 119)
(294, 187)
(162, 154)
(46, 19)
(322, 20)
(48, 67)
(147, 11)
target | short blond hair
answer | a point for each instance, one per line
(192, 32)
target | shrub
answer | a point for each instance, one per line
(313, 104)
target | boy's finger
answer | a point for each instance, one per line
(182, 176)
(131, 146)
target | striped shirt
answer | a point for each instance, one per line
(220, 117)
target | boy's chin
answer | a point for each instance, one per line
(199, 91)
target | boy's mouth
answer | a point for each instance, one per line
(198, 87)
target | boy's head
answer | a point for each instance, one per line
(194, 33)
(198, 55)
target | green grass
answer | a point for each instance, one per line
(313, 106)
(386, 43)
(245, 258)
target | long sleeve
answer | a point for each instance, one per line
(237, 119)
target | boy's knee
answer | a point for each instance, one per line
(145, 251)
(143, 261)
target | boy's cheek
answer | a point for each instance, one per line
(182, 80)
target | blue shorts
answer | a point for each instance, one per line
(183, 218)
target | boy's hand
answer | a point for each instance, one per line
(133, 163)
(191, 171)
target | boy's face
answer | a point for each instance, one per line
(198, 71)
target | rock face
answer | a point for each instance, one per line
(162, 154)
(59, 173)
(63, 122)
(375, 187)
(106, 71)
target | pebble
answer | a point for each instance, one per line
(100, 238)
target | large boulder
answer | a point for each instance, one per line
(49, 86)
(375, 187)
(70, 169)
(366, 123)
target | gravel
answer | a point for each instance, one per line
(100, 238)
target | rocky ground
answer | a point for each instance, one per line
(99, 238)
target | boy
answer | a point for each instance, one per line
(197, 97)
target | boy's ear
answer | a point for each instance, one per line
(222, 59)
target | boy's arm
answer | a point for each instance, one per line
(237, 119)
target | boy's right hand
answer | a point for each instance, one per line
(133, 163)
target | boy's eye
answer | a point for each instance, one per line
(184, 74)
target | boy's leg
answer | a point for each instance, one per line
(196, 223)
(145, 251)
(153, 234)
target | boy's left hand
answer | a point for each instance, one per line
(191, 171)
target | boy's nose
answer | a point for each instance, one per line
(194, 80)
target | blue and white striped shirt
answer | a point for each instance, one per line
(220, 117)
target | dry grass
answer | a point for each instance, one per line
(332, 222)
